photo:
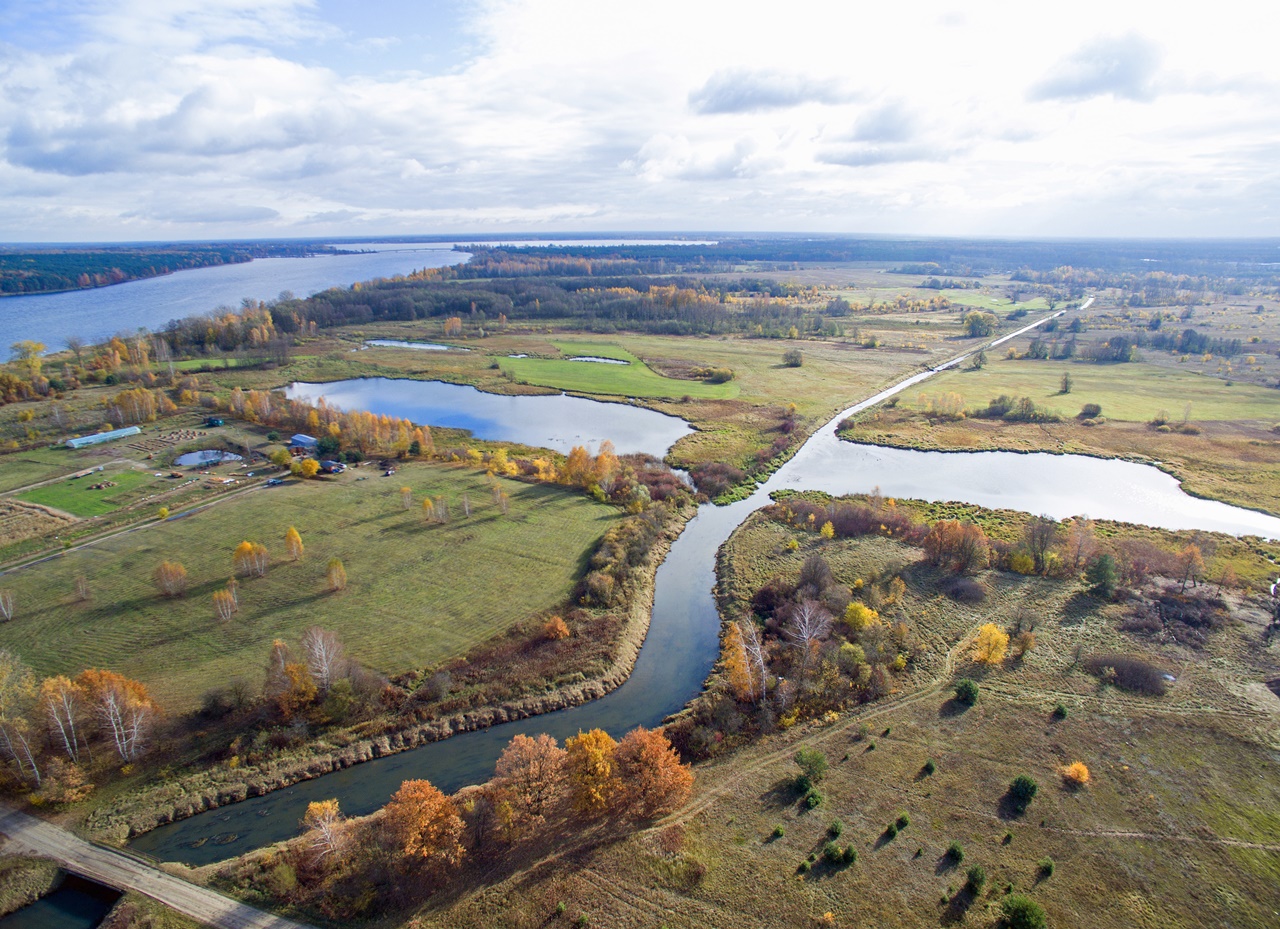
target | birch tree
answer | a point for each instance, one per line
(123, 708)
(63, 702)
(323, 654)
(17, 700)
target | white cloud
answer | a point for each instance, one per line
(1123, 66)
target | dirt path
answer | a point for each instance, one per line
(119, 870)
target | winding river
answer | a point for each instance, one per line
(683, 640)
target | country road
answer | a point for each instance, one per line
(116, 869)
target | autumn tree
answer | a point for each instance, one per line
(170, 578)
(1082, 542)
(555, 629)
(288, 683)
(1040, 535)
(531, 773)
(250, 559)
(336, 575)
(309, 468)
(62, 701)
(593, 780)
(18, 697)
(123, 707)
(1190, 565)
(406, 497)
(425, 824)
(806, 629)
(653, 779)
(224, 605)
(27, 355)
(990, 645)
(7, 605)
(293, 546)
(324, 657)
(327, 835)
(747, 661)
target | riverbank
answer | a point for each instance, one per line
(216, 787)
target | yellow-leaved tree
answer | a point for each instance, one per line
(990, 645)
(293, 544)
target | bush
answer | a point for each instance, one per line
(1059, 712)
(832, 853)
(804, 867)
(1090, 411)
(1102, 575)
(835, 829)
(1076, 774)
(1023, 913)
(929, 767)
(1022, 791)
(1046, 866)
(903, 821)
(793, 358)
(967, 691)
(778, 832)
(812, 800)
(955, 851)
(1128, 673)
(976, 879)
(813, 763)
(891, 831)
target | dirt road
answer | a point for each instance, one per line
(116, 869)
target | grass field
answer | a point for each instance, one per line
(32, 467)
(635, 379)
(1135, 392)
(417, 593)
(977, 298)
(1176, 828)
(76, 497)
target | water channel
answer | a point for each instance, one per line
(682, 645)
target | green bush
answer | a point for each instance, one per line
(967, 691)
(1046, 866)
(903, 821)
(850, 854)
(813, 763)
(891, 831)
(832, 853)
(792, 358)
(778, 832)
(976, 879)
(1023, 913)
(835, 829)
(812, 800)
(1022, 791)
(929, 767)
(1060, 712)
(955, 851)
(560, 908)
(804, 867)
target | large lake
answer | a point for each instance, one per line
(683, 641)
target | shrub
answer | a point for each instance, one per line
(1060, 712)
(955, 851)
(560, 908)
(812, 762)
(804, 867)
(1046, 866)
(835, 829)
(1090, 411)
(1023, 913)
(1102, 575)
(832, 853)
(793, 358)
(778, 832)
(976, 879)
(850, 854)
(903, 821)
(555, 629)
(1128, 673)
(967, 691)
(1076, 774)
(812, 800)
(1021, 792)
(964, 590)
(929, 767)
(891, 831)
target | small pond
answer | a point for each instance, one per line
(206, 456)
(597, 360)
(423, 346)
(76, 904)
(549, 421)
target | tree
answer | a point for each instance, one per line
(123, 707)
(62, 700)
(425, 824)
(979, 360)
(336, 575)
(1190, 565)
(555, 629)
(592, 772)
(224, 605)
(531, 774)
(967, 691)
(293, 546)
(1076, 774)
(1039, 536)
(406, 497)
(1065, 386)
(978, 324)
(18, 696)
(170, 579)
(327, 833)
(309, 468)
(812, 764)
(288, 685)
(250, 559)
(7, 605)
(654, 781)
(792, 358)
(1081, 541)
(990, 645)
(1102, 575)
(26, 354)
(807, 628)
(324, 657)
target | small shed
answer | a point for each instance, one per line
(332, 467)
(303, 441)
(101, 437)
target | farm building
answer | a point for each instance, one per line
(101, 437)
(303, 441)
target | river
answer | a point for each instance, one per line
(683, 641)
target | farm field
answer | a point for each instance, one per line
(1175, 826)
(417, 593)
(32, 467)
(634, 379)
(78, 497)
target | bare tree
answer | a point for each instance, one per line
(1082, 544)
(754, 653)
(63, 701)
(323, 654)
(1040, 535)
(6, 605)
(17, 697)
(809, 625)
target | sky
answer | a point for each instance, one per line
(128, 120)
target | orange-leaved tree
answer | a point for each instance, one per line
(170, 578)
(425, 824)
(250, 559)
(593, 779)
(327, 832)
(336, 574)
(531, 775)
(123, 708)
(293, 544)
(654, 780)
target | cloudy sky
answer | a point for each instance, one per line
(190, 119)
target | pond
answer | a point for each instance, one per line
(683, 640)
(553, 421)
(600, 361)
(205, 457)
(421, 346)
